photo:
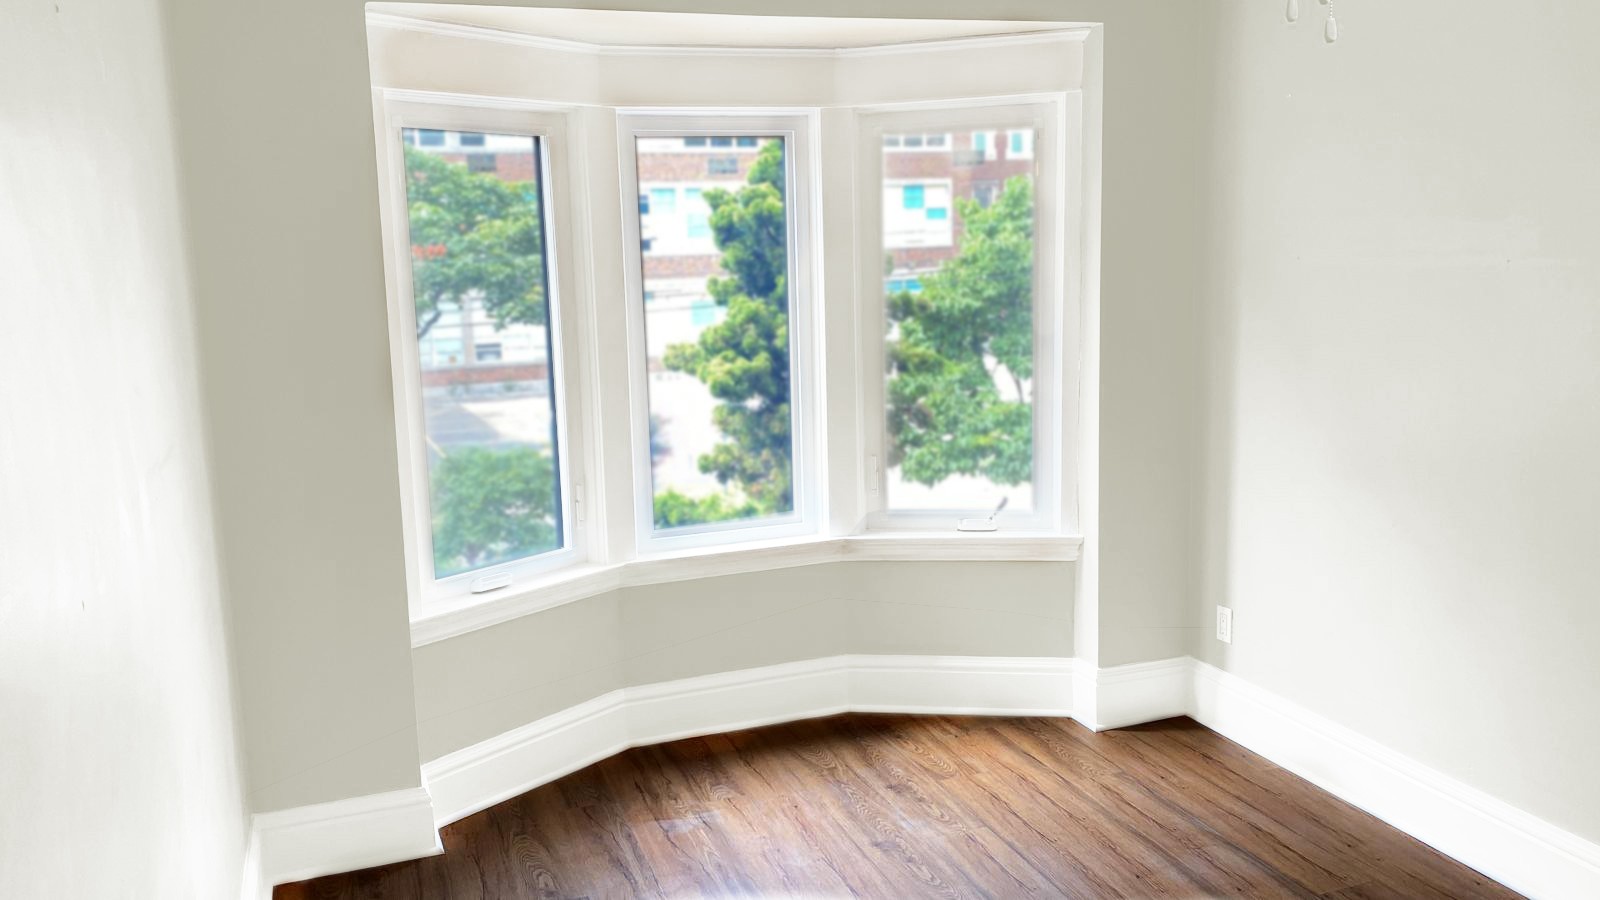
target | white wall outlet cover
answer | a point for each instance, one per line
(1225, 624)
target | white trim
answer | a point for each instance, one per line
(569, 585)
(502, 767)
(253, 882)
(1131, 694)
(1518, 850)
(1515, 848)
(568, 298)
(1062, 32)
(1056, 301)
(961, 685)
(342, 836)
(797, 129)
(1525, 853)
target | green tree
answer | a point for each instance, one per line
(491, 505)
(673, 508)
(744, 359)
(472, 232)
(967, 331)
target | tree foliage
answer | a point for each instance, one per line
(674, 508)
(491, 505)
(471, 231)
(744, 359)
(969, 330)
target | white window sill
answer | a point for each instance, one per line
(578, 582)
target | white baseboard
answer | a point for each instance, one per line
(1524, 853)
(1517, 849)
(253, 885)
(513, 763)
(1132, 694)
(960, 685)
(342, 836)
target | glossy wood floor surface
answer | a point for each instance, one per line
(902, 807)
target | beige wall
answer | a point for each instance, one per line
(481, 684)
(276, 138)
(120, 775)
(1402, 489)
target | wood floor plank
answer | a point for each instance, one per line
(884, 806)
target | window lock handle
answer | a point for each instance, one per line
(985, 524)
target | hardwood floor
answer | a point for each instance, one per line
(900, 807)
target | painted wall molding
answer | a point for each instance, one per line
(1131, 694)
(1039, 33)
(1519, 850)
(341, 836)
(513, 763)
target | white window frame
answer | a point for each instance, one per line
(427, 594)
(1054, 441)
(797, 128)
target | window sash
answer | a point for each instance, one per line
(1051, 441)
(426, 591)
(795, 130)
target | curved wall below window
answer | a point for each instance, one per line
(478, 685)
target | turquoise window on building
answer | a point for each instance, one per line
(663, 200)
(911, 196)
(703, 312)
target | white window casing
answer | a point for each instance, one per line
(567, 301)
(796, 130)
(1054, 309)
(589, 126)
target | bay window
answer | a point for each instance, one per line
(637, 341)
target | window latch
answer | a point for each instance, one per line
(987, 524)
(491, 582)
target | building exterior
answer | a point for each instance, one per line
(923, 174)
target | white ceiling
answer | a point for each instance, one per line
(616, 28)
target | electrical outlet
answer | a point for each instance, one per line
(1224, 624)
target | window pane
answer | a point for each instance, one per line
(717, 334)
(479, 285)
(960, 327)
